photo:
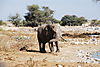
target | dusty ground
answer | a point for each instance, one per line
(73, 53)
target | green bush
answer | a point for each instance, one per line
(2, 23)
(72, 20)
(16, 20)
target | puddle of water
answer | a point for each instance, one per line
(94, 35)
(96, 55)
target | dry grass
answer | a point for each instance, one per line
(31, 63)
(14, 40)
(11, 41)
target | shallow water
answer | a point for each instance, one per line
(96, 55)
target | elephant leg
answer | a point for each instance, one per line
(51, 46)
(43, 48)
(57, 50)
(40, 47)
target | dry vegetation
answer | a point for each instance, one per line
(12, 40)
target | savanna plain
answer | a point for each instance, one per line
(19, 48)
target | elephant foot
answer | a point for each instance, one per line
(57, 50)
(51, 51)
(43, 51)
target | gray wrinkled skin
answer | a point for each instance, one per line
(45, 34)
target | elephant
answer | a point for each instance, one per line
(46, 33)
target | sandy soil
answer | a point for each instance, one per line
(67, 57)
(70, 55)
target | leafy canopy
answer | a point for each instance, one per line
(37, 15)
(72, 20)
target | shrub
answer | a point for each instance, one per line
(1, 22)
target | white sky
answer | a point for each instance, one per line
(85, 8)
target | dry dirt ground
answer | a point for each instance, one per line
(75, 52)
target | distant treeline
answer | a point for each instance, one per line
(44, 15)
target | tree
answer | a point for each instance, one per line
(72, 20)
(36, 16)
(1, 22)
(32, 15)
(32, 8)
(48, 15)
(81, 20)
(47, 12)
(95, 22)
(16, 20)
(55, 21)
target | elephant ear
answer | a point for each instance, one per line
(46, 28)
(49, 27)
